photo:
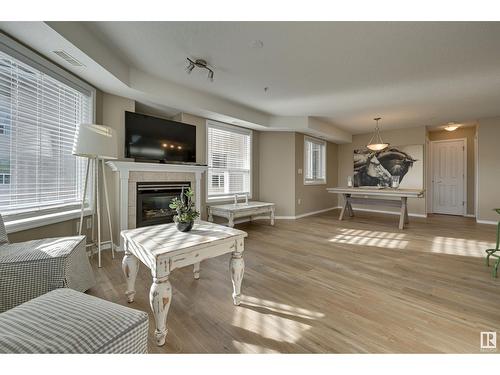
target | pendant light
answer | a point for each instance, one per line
(376, 143)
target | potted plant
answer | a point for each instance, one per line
(185, 210)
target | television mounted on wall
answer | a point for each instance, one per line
(149, 138)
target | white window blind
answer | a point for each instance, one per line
(229, 160)
(314, 161)
(38, 119)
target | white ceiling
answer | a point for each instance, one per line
(332, 76)
(411, 74)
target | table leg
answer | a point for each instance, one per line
(345, 206)
(196, 271)
(231, 220)
(160, 296)
(272, 216)
(237, 269)
(349, 206)
(402, 216)
(130, 266)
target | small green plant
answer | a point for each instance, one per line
(184, 207)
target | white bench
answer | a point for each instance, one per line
(234, 211)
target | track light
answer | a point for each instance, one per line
(202, 64)
(190, 67)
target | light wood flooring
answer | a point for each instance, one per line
(317, 285)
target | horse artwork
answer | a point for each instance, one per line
(376, 168)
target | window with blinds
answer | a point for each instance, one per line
(38, 119)
(229, 160)
(314, 161)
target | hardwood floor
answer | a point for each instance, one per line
(317, 285)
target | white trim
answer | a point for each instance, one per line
(320, 142)
(387, 212)
(235, 129)
(40, 221)
(489, 222)
(464, 181)
(469, 215)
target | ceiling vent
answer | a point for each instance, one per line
(68, 58)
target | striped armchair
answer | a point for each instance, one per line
(32, 268)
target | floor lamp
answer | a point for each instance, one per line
(97, 143)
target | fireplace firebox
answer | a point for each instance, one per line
(153, 199)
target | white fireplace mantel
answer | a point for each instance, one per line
(123, 168)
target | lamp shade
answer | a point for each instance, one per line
(92, 140)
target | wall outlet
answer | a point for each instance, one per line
(87, 223)
(299, 201)
(299, 171)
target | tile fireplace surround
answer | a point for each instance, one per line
(130, 173)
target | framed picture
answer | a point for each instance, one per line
(382, 168)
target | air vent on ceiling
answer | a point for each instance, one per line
(68, 58)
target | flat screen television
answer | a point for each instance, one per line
(155, 139)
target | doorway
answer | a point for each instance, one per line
(449, 176)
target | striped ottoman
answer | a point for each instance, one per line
(67, 321)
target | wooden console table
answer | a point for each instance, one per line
(162, 248)
(371, 196)
(233, 211)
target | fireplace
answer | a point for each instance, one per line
(153, 199)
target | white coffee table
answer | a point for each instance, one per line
(162, 248)
(233, 211)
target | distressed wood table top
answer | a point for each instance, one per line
(388, 192)
(166, 239)
(240, 206)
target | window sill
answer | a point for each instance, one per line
(226, 198)
(18, 225)
(314, 183)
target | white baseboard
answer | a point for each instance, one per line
(469, 215)
(490, 222)
(387, 212)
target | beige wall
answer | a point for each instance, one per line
(277, 171)
(488, 169)
(409, 136)
(314, 197)
(469, 133)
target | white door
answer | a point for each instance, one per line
(448, 177)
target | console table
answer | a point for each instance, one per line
(236, 210)
(162, 248)
(371, 196)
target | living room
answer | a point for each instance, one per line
(344, 172)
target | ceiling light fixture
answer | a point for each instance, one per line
(452, 126)
(202, 64)
(376, 143)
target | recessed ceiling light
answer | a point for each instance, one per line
(257, 44)
(452, 126)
